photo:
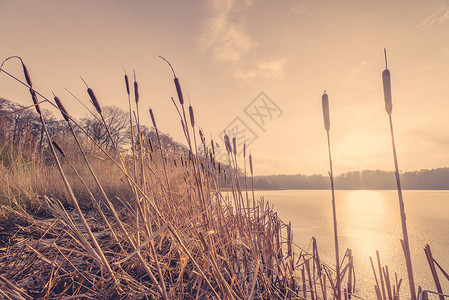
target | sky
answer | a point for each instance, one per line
(255, 68)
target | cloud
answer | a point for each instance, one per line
(440, 16)
(225, 38)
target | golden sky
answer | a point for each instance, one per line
(226, 53)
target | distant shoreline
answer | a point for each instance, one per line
(434, 179)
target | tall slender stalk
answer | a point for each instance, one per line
(325, 103)
(405, 243)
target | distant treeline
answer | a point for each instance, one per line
(435, 179)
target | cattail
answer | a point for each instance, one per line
(192, 117)
(244, 150)
(178, 86)
(93, 98)
(212, 144)
(325, 102)
(203, 140)
(127, 84)
(227, 143)
(151, 145)
(27, 75)
(251, 164)
(234, 142)
(136, 89)
(387, 86)
(219, 168)
(64, 112)
(179, 91)
(56, 145)
(152, 118)
(36, 103)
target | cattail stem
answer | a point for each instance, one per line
(334, 216)
(406, 245)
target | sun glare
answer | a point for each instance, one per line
(365, 202)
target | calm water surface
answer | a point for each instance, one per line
(369, 221)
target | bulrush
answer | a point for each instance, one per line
(227, 143)
(127, 83)
(386, 80)
(192, 117)
(27, 75)
(36, 103)
(136, 89)
(64, 112)
(177, 85)
(405, 241)
(325, 102)
(93, 98)
(327, 126)
(56, 145)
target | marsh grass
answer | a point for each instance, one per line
(142, 225)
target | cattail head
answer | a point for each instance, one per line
(27, 75)
(234, 143)
(179, 91)
(251, 164)
(219, 168)
(152, 118)
(203, 139)
(136, 89)
(386, 80)
(325, 102)
(64, 112)
(227, 143)
(387, 90)
(94, 100)
(244, 150)
(212, 146)
(127, 84)
(36, 103)
(192, 117)
(151, 145)
(56, 145)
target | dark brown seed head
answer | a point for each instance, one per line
(234, 143)
(127, 84)
(386, 80)
(36, 103)
(192, 117)
(94, 100)
(244, 150)
(56, 145)
(227, 143)
(325, 102)
(152, 118)
(179, 91)
(151, 145)
(212, 145)
(64, 112)
(136, 92)
(251, 164)
(27, 75)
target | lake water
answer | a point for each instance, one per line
(370, 221)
